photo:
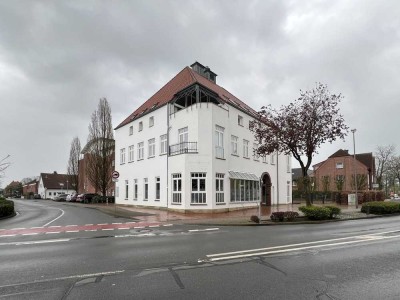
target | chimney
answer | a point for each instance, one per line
(204, 71)
(55, 172)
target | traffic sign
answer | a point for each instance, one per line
(115, 174)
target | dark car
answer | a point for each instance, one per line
(37, 196)
(87, 198)
(73, 197)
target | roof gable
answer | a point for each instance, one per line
(56, 181)
(182, 80)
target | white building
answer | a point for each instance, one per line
(189, 148)
(53, 184)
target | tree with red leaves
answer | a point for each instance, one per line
(301, 127)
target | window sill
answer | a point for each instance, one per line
(130, 162)
(176, 203)
(161, 154)
(237, 155)
(246, 157)
(121, 164)
(220, 203)
(220, 158)
(198, 204)
(140, 159)
(151, 157)
(157, 200)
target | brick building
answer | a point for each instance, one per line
(338, 171)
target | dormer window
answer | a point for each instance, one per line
(151, 121)
(240, 120)
(140, 126)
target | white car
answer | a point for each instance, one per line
(68, 197)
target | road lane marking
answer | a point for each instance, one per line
(117, 223)
(7, 235)
(54, 226)
(139, 227)
(91, 230)
(37, 227)
(289, 248)
(52, 232)
(108, 229)
(17, 228)
(123, 228)
(103, 224)
(154, 226)
(62, 213)
(168, 225)
(72, 231)
(88, 224)
(33, 233)
(202, 230)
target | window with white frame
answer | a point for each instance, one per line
(152, 147)
(135, 189)
(264, 159)
(183, 136)
(288, 192)
(131, 152)
(255, 155)
(158, 188)
(163, 144)
(244, 190)
(177, 188)
(140, 126)
(126, 189)
(234, 145)
(130, 130)
(219, 141)
(219, 188)
(272, 158)
(146, 189)
(245, 149)
(198, 181)
(339, 165)
(122, 156)
(240, 120)
(151, 121)
(140, 151)
(288, 165)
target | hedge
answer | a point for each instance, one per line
(6, 208)
(320, 212)
(381, 208)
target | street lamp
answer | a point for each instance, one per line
(354, 164)
(67, 186)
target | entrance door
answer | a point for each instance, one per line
(266, 190)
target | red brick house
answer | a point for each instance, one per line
(30, 188)
(337, 172)
(84, 185)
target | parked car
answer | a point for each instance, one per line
(87, 197)
(72, 197)
(61, 197)
(79, 198)
(37, 196)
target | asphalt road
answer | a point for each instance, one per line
(125, 260)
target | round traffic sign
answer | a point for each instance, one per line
(115, 174)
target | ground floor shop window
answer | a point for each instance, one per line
(158, 183)
(198, 182)
(177, 188)
(135, 189)
(244, 190)
(146, 189)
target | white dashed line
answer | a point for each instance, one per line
(138, 227)
(54, 226)
(154, 226)
(88, 224)
(17, 228)
(91, 230)
(108, 229)
(130, 222)
(103, 224)
(167, 225)
(7, 235)
(36, 227)
(117, 223)
(52, 232)
(123, 228)
(35, 233)
(70, 225)
(72, 231)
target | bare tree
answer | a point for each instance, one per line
(101, 148)
(394, 170)
(73, 163)
(301, 127)
(4, 164)
(383, 155)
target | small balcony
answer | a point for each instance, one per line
(182, 148)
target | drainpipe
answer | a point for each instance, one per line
(167, 154)
(277, 179)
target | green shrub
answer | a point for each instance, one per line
(2, 198)
(315, 212)
(381, 208)
(255, 219)
(334, 211)
(6, 208)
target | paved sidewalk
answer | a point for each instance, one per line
(238, 217)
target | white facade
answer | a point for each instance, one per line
(51, 193)
(211, 166)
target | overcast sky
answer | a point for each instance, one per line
(58, 58)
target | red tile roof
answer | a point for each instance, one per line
(182, 80)
(53, 180)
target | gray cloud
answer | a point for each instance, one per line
(58, 58)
